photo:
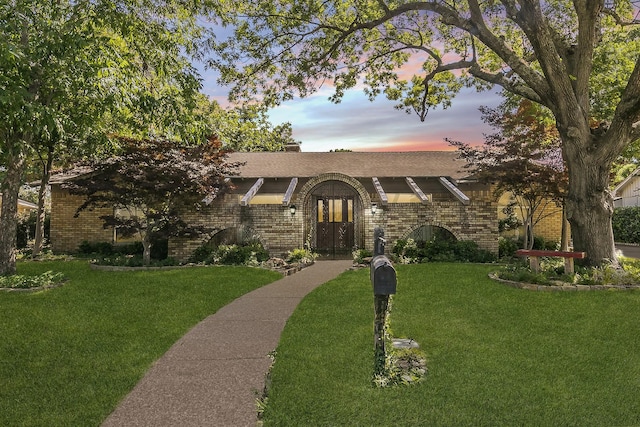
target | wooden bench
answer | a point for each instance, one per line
(534, 254)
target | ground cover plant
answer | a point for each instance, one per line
(69, 355)
(496, 355)
(552, 273)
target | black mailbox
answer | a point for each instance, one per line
(383, 276)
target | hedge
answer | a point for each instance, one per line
(626, 225)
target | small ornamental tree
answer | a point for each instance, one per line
(151, 184)
(522, 158)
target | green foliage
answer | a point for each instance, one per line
(75, 73)
(130, 255)
(626, 224)
(301, 255)
(552, 271)
(27, 229)
(250, 253)
(360, 254)
(17, 281)
(203, 254)
(507, 247)
(247, 128)
(410, 251)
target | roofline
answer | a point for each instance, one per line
(626, 180)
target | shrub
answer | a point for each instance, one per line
(26, 229)
(95, 248)
(626, 224)
(203, 254)
(301, 255)
(360, 254)
(248, 254)
(251, 253)
(104, 250)
(409, 251)
(507, 247)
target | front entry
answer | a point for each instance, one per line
(335, 211)
(335, 231)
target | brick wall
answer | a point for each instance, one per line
(276, 228)
(279, 231)
(548, 227)
(476, 221)
(68, 232)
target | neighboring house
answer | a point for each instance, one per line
(24, 207)
(331, 202)
(627, 193)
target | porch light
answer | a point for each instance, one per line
(374, 208)
(292, 209)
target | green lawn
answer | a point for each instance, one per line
(495, 355)
(69, 355)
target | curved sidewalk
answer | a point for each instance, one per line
(213, 375)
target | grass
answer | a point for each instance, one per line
(69, 355)
(495, 355)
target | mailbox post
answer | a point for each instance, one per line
(383, 280)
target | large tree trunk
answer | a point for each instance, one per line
(9, 213)
(589, 206)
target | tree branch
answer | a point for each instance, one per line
(619, 19)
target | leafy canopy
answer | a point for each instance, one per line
(421, 54)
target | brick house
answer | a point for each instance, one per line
(330, 201)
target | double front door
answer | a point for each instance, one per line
(335, 225)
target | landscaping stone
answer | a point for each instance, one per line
(404, 343)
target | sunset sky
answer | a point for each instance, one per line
(360, 125)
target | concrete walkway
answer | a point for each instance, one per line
(211, 376)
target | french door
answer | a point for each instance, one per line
(334, 225)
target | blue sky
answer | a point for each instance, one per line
(360, 125)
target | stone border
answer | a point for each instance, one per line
(141, 268)
(564, 287)
(286, 271)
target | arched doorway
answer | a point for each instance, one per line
(335, 212)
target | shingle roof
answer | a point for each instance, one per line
(354, 164)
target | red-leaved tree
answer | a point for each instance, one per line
(150, 186)
(523, 157)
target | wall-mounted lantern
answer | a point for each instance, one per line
(374, 208)
(292, 210)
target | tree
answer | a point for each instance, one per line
(151, 185)
(70, 68)
(522, 158)
(577, 58)
(247, 128)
